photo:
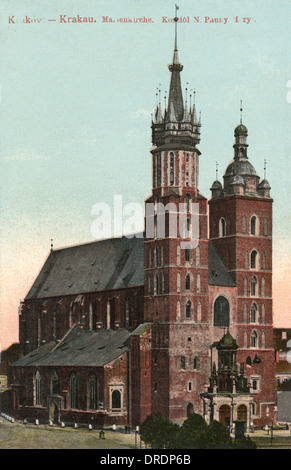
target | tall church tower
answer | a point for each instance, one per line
(240, 215)
(176, 261)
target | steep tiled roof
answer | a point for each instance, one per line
(80, 347)
(100, 265)
(218, 273)
(106, 264)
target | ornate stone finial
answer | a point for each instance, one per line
(216, 171)
(265, 168)
(241, 110)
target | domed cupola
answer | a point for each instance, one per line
(264, 188)
(216, 189)
(240, 176)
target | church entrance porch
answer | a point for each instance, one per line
(224, 415)
(54, 407)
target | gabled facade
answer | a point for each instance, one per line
(170, 296)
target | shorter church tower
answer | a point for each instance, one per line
(240, 219)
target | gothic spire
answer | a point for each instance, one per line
(175, 102)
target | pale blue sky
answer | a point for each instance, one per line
(76, 101)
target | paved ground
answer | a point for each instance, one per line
(19, 436)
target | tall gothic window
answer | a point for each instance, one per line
(221, 311)
(188, 309)
(245, 313)
(198, 282)
(183, 362)
(92, 393)
(188, 254)
(157, 284)
(244, 224)
(254, 286)
(245, 286)
(222, 227)
(254, 259)
(73, 391)
(158, 170)
(254, 339)
(188, 282)
(266, 228)
(188, 202)
(254, 313)
(263, 287)
(172, 169)
(37, 388)
(199, 311)
(254, 225)
(55, 384)
(178, 282)
(198, 255)
(247, 259)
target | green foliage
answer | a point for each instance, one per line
(243, 443)
(194, 433)
(217, 436)
(159, 432)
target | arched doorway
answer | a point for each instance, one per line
(190, 409)
(242, 413)
(224, 415)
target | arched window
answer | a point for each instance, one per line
(263, 340)
(198, 282)
(254, 339)
(92, 393)
(163, 283)
(266, 226)
(157, 256)
(247, 259)
(245, 313)
(188, 254)
(263, 287)
(55, 384)
(172, 169)
(254, 225)
(198, 255)
(221, 312)
(183, 362)
(188, 228)
(178, 282)
(254, 313)
(199, 311)
(244, 224)
(246, 339)
(188, 282)
(37, 388)
(245, 286)
(73, 391)
(195, 363)
(188, 202)
(264, 260)
(254, 286)
(189, 410)
(188, 309)
(263, 313)
(116, 400)
(178, 310)
(222, 227)
(178, 254)
(157, 287)
(254, 256)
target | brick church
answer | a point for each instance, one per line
(117, 329)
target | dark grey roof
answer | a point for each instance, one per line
(100, 265)
(218, 273)
(240, 167)
(80, 348)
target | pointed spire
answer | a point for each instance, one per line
(241, 110)
(175, 102)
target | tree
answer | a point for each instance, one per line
(193, 433)
(217, 436)
(159, 432)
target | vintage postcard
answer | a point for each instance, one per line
(145, 227)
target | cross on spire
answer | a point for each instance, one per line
(176, 21)
(241, 110)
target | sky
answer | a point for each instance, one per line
(75, 114)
